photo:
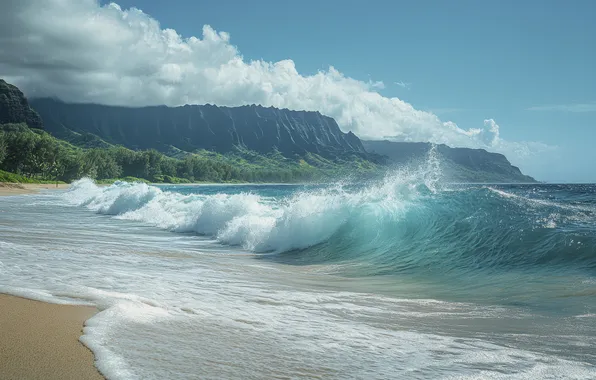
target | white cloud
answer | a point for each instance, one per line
(519, 151)
(80, 51)
(403, 84)
(578, 107)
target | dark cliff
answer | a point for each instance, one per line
(209, 127)
(264, 130)
(14, 107)
(458, 164)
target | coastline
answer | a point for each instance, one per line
(7, 188)
(40, 340)
(10, 188)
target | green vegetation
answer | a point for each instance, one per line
(35, 156)
(84, 142)
(16, 178)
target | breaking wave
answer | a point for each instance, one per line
(407, 221)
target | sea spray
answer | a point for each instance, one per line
(298, 221)
(407, 221)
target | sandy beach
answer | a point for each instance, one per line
(41, 341)
(27, 188)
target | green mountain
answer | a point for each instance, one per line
(71, 152)
(196, 127)
(208, 143)
(14, 107)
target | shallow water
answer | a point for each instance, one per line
(406, 278)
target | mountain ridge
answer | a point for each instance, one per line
(222, 129)
(14, 107)
(209, 127)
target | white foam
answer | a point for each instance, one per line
(249, 220)
(167, 313)
(188, 317)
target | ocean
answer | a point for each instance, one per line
(403, 278)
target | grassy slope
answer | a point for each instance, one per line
(298, 169)
(16, 178)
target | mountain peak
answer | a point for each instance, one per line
(14, 107)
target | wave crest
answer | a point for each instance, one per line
(407, 221)
(255, 222)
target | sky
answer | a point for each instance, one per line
(515, 77)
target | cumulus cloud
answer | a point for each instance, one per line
(520, 151)
(80, 51)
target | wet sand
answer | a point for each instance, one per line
(41, 341)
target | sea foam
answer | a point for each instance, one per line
(249, 220)
(172, 305)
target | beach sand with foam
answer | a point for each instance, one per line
(41, 341)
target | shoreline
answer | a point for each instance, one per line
(10, 188)
(40, 340)
(7, 188)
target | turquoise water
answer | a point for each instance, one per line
(510, 244)
(403, 278)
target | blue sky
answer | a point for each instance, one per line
(516, 77)
(463, 60)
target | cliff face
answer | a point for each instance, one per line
(14, 107)
(260, 129)
(189, 128)
(458, 164)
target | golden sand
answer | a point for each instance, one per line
(41, 341)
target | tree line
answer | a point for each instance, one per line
(36, 154)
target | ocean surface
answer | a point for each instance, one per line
(405, 278)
